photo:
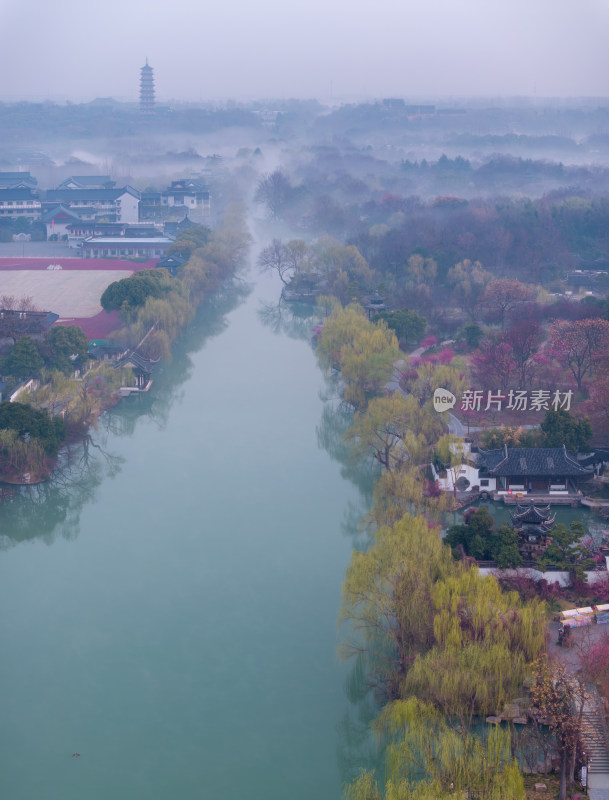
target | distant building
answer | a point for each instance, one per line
(14, 323)
(175, 227)
(188, 195)
(19, 202)
(17, 180)
(111, 205)
(57, 220)
(172, 264)
(151, 206)
(587, 279)
(87, 182)
(83, 229)
(147, 104)
(125, 247)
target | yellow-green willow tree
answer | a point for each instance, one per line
(484, 639)
(406, 491)
(396, 430)
(387, 600)
(363, 351)
(428, 627)
(427, 760)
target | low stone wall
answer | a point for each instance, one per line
(552, 576)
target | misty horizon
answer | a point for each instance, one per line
(546, 50)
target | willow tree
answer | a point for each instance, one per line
(367, 363)
(407, 490)
(484, 639)
(364, 352)
(430, 377)
(18, 455)
(96, 392)
(169, 314)
(395, 430)
(468, 280)
(343, 325)
(427, 760)
(386, 600)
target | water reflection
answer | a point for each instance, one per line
(358, 749)
(336, 418)
(295, 320)
(156, 406)
(52, 509)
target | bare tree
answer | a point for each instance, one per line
(277, 258)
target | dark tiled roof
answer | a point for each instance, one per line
(599, 454)
(186, 185)
(102, 227)
(533, 515)
(11, 179)
(25, 322)
(137, 362)
(88, 182)
(525, 461)
(17, 194)
(58, 211)
(88, 195)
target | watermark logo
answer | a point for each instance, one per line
(512, 400)
(443, 400)
(516, 400)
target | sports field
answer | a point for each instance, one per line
(73, 292)
(69, 293)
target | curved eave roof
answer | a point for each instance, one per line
(526, 461)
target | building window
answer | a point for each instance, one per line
(484, 482)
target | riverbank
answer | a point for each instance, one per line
(412, 604)
(148, 331)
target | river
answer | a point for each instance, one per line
(169, 600)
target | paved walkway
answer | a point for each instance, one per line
(393, 385)
(594, 733)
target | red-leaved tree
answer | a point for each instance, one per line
(581, 346)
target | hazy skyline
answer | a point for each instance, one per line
(441, 48)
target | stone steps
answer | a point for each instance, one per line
(593, 735)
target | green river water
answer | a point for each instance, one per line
(169, 600)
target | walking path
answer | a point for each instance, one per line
(594, 730)
(393, 384)
(595, 741)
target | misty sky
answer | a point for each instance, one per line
(343, 49)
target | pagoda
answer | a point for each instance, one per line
(147, 89)
(533, 525)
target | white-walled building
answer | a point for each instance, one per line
(125, 247)
(114, 205)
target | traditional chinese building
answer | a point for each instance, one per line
(125, 247)
(551, 471)
(109, 205)
(14, 323)
(147, 105)
(533, 525)
(142, 372)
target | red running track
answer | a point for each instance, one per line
(76, 263)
